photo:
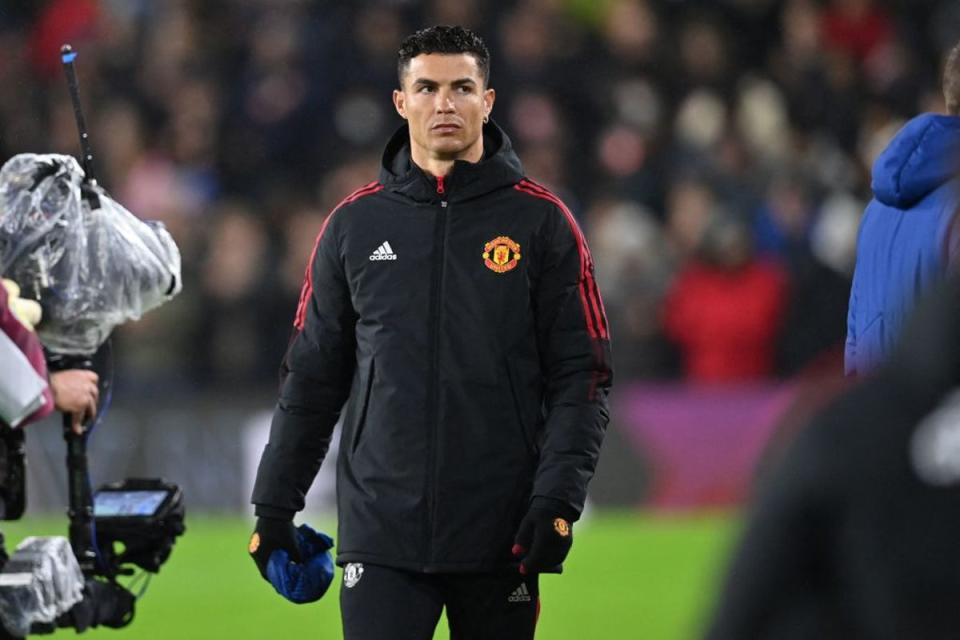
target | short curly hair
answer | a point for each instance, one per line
(443, 39)
(951, 81)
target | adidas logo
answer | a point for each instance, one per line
(384, 252)
(520, 594)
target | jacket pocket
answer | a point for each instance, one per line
(364, 406)
(527, 423)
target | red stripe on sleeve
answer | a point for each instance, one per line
(593, 292)
(307, 289)
(589, 293)
(588, 311)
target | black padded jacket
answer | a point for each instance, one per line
(457, 325)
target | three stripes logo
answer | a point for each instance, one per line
(383, 252)
(520, 594)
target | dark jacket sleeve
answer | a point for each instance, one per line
(799, 562)
(316, 375)
(574, 346)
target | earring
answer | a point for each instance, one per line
(486, 119)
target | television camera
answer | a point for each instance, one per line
(91, 265)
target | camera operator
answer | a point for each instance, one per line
(94, 265)
(73, 392)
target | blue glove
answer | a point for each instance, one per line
(306, 581)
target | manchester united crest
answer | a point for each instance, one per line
(352, 574)
(501, 254)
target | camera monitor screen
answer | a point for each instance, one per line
(127, 503)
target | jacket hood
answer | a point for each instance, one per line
(922, 156)
(499, 167)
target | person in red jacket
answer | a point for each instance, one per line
(725, 308)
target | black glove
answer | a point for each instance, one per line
(270, 535)
(543, 540)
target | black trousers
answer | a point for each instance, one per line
(380, 603)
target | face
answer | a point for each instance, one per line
(445, 103)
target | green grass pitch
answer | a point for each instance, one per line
(629, 576)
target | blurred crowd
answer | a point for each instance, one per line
(717, 152)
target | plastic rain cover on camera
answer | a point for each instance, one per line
(39, 583)
(92, 266)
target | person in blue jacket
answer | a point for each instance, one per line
(908, 235)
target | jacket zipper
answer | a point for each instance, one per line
(433, 403)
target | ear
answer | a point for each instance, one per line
(489, 96)
(399, 103)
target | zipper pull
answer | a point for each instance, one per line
(440, 188)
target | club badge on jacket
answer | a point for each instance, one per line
(501, 254)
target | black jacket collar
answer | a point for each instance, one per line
(499, 167)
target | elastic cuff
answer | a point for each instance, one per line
(274, 513)
(559, 507)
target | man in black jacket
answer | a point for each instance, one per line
(450, 308)
(855, 533)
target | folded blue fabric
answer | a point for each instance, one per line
(307, 581)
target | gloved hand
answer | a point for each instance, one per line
(543, 540)
(272, 534)
(302, 571)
